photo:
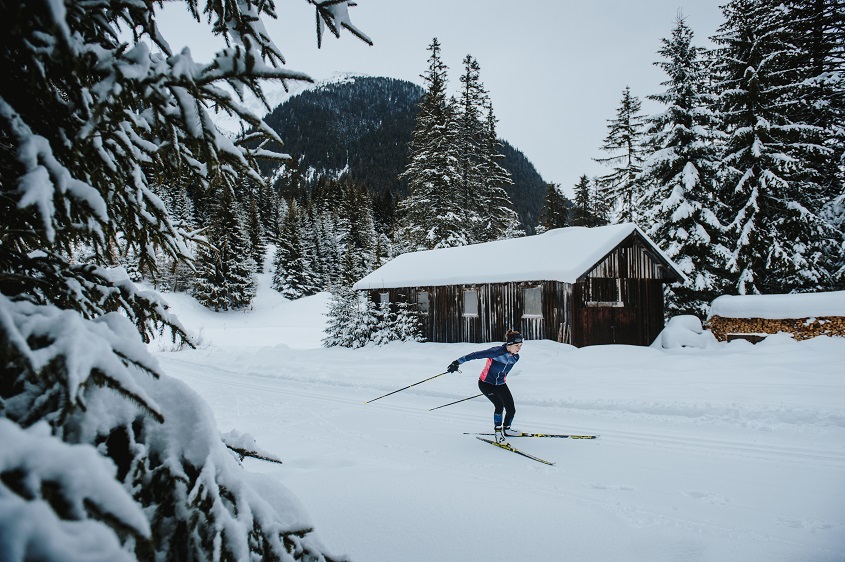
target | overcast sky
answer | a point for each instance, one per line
(555, 69)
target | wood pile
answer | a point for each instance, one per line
(800, 328)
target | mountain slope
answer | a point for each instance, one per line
(362, 126)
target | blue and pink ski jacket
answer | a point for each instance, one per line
(499, 363)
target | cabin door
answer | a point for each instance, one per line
(603, 317)
(601, 325)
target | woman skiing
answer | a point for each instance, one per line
(492, 382)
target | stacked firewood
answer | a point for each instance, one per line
(800, 328)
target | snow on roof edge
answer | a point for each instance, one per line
(528, 258)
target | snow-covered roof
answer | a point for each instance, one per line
(562, 254)
(773, 307)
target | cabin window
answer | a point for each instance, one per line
(601, 292)
(470, 302)
(384, 298)
(423, 301)
(533, 299)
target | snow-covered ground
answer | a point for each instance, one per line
(731, 452)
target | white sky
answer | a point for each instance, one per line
(555, 69)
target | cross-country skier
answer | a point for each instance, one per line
(492, 382)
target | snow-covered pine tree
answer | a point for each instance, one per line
(385, 330)
(290, 183)
(268, 208)
(339, 318)
(94, 462)
(333, 203)
(356, 321)
(408, 323)
(209, 286)
(431, 214)
(469, 135)
(555, 212)
(351, 319)
(225, 268)
(255, 230)
(319, 261)
(621, 189)
(818, 29)
(499, 220)
(182, 208)
(292, 272)
(360, 239)
(330, 250)
(385, 215)
(600, 206)
(582, 206)
(680, 206)
(308, 235)
(777, 239)
(170, 274)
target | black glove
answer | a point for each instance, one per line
(453, 366)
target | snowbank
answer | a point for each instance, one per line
(804, 305)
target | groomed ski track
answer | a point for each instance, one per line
(639, 480)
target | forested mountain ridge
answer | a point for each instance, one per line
(365, 125)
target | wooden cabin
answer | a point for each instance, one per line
(577, 285)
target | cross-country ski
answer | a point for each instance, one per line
(512, 449)
(551, 435)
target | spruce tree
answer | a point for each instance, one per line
(255, 230)
(330, 250)
(680, 206)
(360, 239)
(498, 220)
(555, 211)
(268, 208)
(172, 274)
(226, 270)
(818, 30)
(290, 183)
(293, 275)
(470, 137)
(351, 319)
(621, 189)
(582, 208)
(384, 330)
(308, 237)
(601, 207)
(431, 214)
(408, 324)
(777, 239)
(355, 321)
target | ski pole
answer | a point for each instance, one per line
(456, 401)
(405, 388)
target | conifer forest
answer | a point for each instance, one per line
(115, 177)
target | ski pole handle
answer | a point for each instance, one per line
(406, 387)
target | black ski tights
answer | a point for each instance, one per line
(500, 396)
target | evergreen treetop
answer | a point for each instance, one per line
(431, 213)
(624, 142)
